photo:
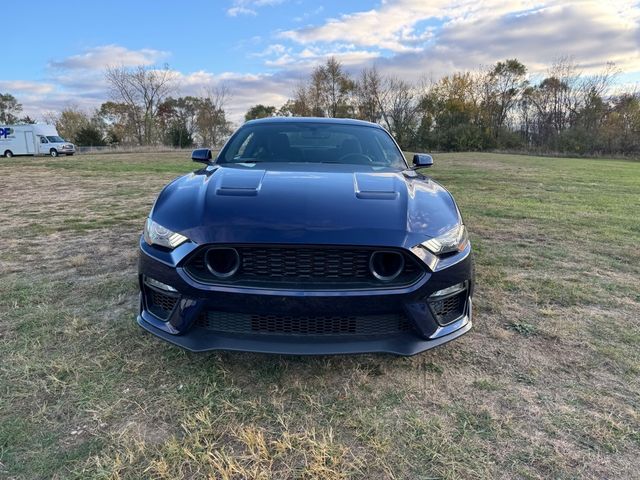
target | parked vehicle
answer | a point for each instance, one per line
(33, 140)
(306, 236)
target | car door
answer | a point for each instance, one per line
(43, 144)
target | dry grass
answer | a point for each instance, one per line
(545, 386)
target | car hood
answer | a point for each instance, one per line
(306, 203)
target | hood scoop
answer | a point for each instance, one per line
(375, 186)
(240, 183)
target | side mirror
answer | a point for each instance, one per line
(202, 155)
(422, 160)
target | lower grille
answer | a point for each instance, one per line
(305, 325)
(448, 309)
(160, 304)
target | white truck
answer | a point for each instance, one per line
(33, 140)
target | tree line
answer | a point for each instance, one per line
(498, 107)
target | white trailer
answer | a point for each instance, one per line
(33, 140)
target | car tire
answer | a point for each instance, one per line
(53, 152)
(8, 154)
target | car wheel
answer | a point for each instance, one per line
(53, 152)
(8, 154)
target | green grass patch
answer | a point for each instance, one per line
(544, 386)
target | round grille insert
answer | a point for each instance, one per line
(386, 266)
(222, 262)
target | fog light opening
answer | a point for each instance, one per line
(156, 284)
(449, 290)
(449, 304)
(386, 266)
(222, 262)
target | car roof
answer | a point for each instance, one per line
(334, 121)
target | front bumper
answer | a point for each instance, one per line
(182, 327)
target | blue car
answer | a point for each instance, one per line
(306, 236)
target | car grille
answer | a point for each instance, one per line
(160, 304)
(448, 309)
(303, 325)
(305, 267)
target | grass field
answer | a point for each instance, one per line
(545, 386)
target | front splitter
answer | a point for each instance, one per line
(202, 340)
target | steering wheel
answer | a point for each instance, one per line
(359, 158)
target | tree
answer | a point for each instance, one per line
(212, 123)
(336, 89)
(503, 85)
(177, 118)
(178, 136)
(328, 92)
(369, 92)
(301, 104)
(142, 90)
(400, 109)
(89, 136)
(70, 122)
(452, 116)
(119, 122)
(9, 108)
(259, 111)
(621, 125)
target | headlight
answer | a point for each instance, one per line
(156, 234)
(454, 240)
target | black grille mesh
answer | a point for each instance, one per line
(159, 303)
(448, 309)
(293, 265)
(305, 263)
(309, 325)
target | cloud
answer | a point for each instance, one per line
(103, 56)
(235, 11)
(415, 37)
(26, 87)
(248, 7)
(388, 27)
(273, 49)
(310, 57)
(308, 14)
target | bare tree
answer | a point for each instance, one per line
(400, 108)
(300, 105)
(338, 89)
(211, 120)
(369, 92)
(142, 89)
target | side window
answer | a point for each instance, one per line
(43, 140)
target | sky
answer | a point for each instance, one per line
(54, 54)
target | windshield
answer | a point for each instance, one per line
(55, 139)
(303, 142)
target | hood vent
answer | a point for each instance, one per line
(375, 187)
